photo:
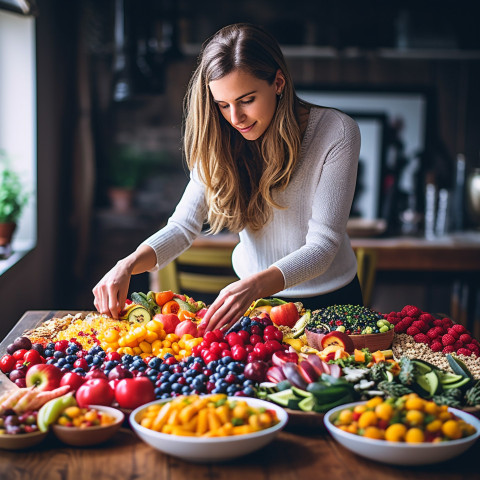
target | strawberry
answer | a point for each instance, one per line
(447, 339)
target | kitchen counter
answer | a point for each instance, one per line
(294, 454)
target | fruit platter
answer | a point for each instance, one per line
(305, 363)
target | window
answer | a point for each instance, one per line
(18, 119)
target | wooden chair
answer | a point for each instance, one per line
(366, 268)
(203, 270)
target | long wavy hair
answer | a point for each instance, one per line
(240, 176)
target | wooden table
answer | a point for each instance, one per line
(308, 454)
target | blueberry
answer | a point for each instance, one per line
(164, 367)
(212, 365)
(71, 358)
(224, 371)
(142, 367)
(127, 358)
(81, 371)
(241, 377)
(174, 377)
(88, 358)
(167, 355)
(101, 354)
(50, 346)
(202, 377)
(61, 362)
(189, 380)
(71, 350)
(176, 387)
(245, 321)
(198, 360)
(157, 391)
(166, 387)
(248, 383)
(227, 360)
(185, 390)
(66, 368)
(138, 363)
(231, 389)
(49, 352)
(249, 391)
(197, 384)
(51, 361)
(165, 396)
(110, 364)
(155, 362)
(97, 360)
(58, 354)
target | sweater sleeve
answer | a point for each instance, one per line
(183, 226)
(331, 207)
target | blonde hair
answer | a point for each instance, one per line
(239, 175)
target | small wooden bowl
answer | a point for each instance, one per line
(82, 437)
(374, 341)
(22, 440)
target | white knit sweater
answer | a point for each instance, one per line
(307, 241)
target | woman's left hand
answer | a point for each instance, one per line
(235, 299)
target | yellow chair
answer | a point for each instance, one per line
(366, 268)
(198, 269)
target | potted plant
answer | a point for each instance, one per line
(12, 200)
(124, 177)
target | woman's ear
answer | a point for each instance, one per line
(279, 82)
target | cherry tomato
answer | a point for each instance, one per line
(171, 307)
(161, 298)
(254, 339)
(19, 354)
(215, 348)
(244, 335)
(226, 353)
(7, 363)
(234, 339)
(239, 353)
(260, 350)
(81, 363)
(210, 337)
(272, 346)
(32, 357)
(219, 334)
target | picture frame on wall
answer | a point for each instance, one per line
(393, 169)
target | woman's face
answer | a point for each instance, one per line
(247, 103)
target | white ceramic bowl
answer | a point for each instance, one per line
(397, 453)
(216, 449)
(82, 437)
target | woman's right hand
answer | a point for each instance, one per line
(111, 291)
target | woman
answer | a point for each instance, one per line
(277, 170)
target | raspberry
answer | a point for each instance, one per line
(421, 338)
(410, 311)
(453, 333)
(422, 326)
(471, 346)
(413, 331)
(476, 342)
(436, 346)
(447, 322)
(438, 322)
(464, 351)
(458, 344)
(400, 327)
(408, 320)
(432, 333)
(393, 320)
(447, 339)
(448, 349)
(426, 317)
(459, 328)
(465, 338)
(440, 330)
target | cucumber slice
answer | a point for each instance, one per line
(283, 385)
(301, 393)
(139, 315)
(458, 384)
(447, 378)
(428, 382)
(307, 404)
(389, 375)
(140, 299)
(422, 367)
(282, 398)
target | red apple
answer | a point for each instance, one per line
(44, 377)
(275, 374)
(132, 392)
(96, 391)
(285, 314)
(187, 326)
(280, 357)
(119, 372)
(73, 380)
(169, 321)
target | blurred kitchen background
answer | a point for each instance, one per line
(105, 169)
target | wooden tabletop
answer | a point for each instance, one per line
(297, 453)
